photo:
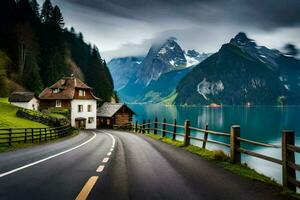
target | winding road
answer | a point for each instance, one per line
(109, 164)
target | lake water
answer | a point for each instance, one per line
(263, 124)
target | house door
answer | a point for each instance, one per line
(80, 123)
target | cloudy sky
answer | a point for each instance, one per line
(128, 27)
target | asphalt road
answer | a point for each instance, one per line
(107, 164)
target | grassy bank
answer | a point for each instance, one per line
(221, 159)
(9, 119)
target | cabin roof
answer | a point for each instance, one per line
(21, 96)
(109, 109)
(67, 86)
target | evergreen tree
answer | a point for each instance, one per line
(47, 11)
(57, 18)
(35, 8)
(4, 61)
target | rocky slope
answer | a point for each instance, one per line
(242, 72)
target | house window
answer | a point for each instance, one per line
(55, 91)
(58, 103)
(91, 120)
(81, 93)
(89, 108)
(80, 108)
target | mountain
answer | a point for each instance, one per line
(159, 73)
(122, 69)
(36, 50)
(160, 59)
(242, 72)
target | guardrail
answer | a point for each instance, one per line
(289, 167)
(8, 136)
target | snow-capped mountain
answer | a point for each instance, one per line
(161, 59)
(194, 58)
(242, 72)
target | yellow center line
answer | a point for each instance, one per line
(87, 188)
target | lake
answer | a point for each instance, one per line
(261, 123)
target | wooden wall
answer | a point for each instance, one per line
(45, 104)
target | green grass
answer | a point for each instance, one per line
(9, 119)
(56, 115)
(169, 100)
(223, 160)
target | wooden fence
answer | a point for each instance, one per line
(289, 166)
(8, 136)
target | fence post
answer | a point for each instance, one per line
(174, 130)
(25, 136)
(155, 126)
(149, 126)
(40, 134)
(187, 132)
(32, 135)
(143, 131)
(205, 137)
(288, 156)
(136, 128)
(140, 128)
(164, 128)
(235, 155)
(9, 139)
(45, 134)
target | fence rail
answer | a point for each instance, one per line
(9, 136)
(288, 148)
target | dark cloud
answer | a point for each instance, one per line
(129, 27)
(263, 14)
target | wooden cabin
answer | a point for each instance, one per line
(114, 114)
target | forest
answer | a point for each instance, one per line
(36, 50)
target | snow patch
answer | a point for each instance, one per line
(287, 87)
(205, 88)
(162, 51)
(172, 62)
(190, 61)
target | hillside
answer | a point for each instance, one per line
(242, 72)
(36, 50)
(9, 119)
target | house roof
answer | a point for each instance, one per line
(21, 96)
(109, 109)
(67, 86)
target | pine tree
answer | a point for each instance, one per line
(57, 18)
(35, 8)
(47, 12)
(4, 61)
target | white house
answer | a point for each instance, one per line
(24, 100)
(71, 93)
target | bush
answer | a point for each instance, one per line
(220, 155)
(41, 117)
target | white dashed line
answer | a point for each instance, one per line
(100, 168)
(47, 158)
(105, 160)
(109, 153)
